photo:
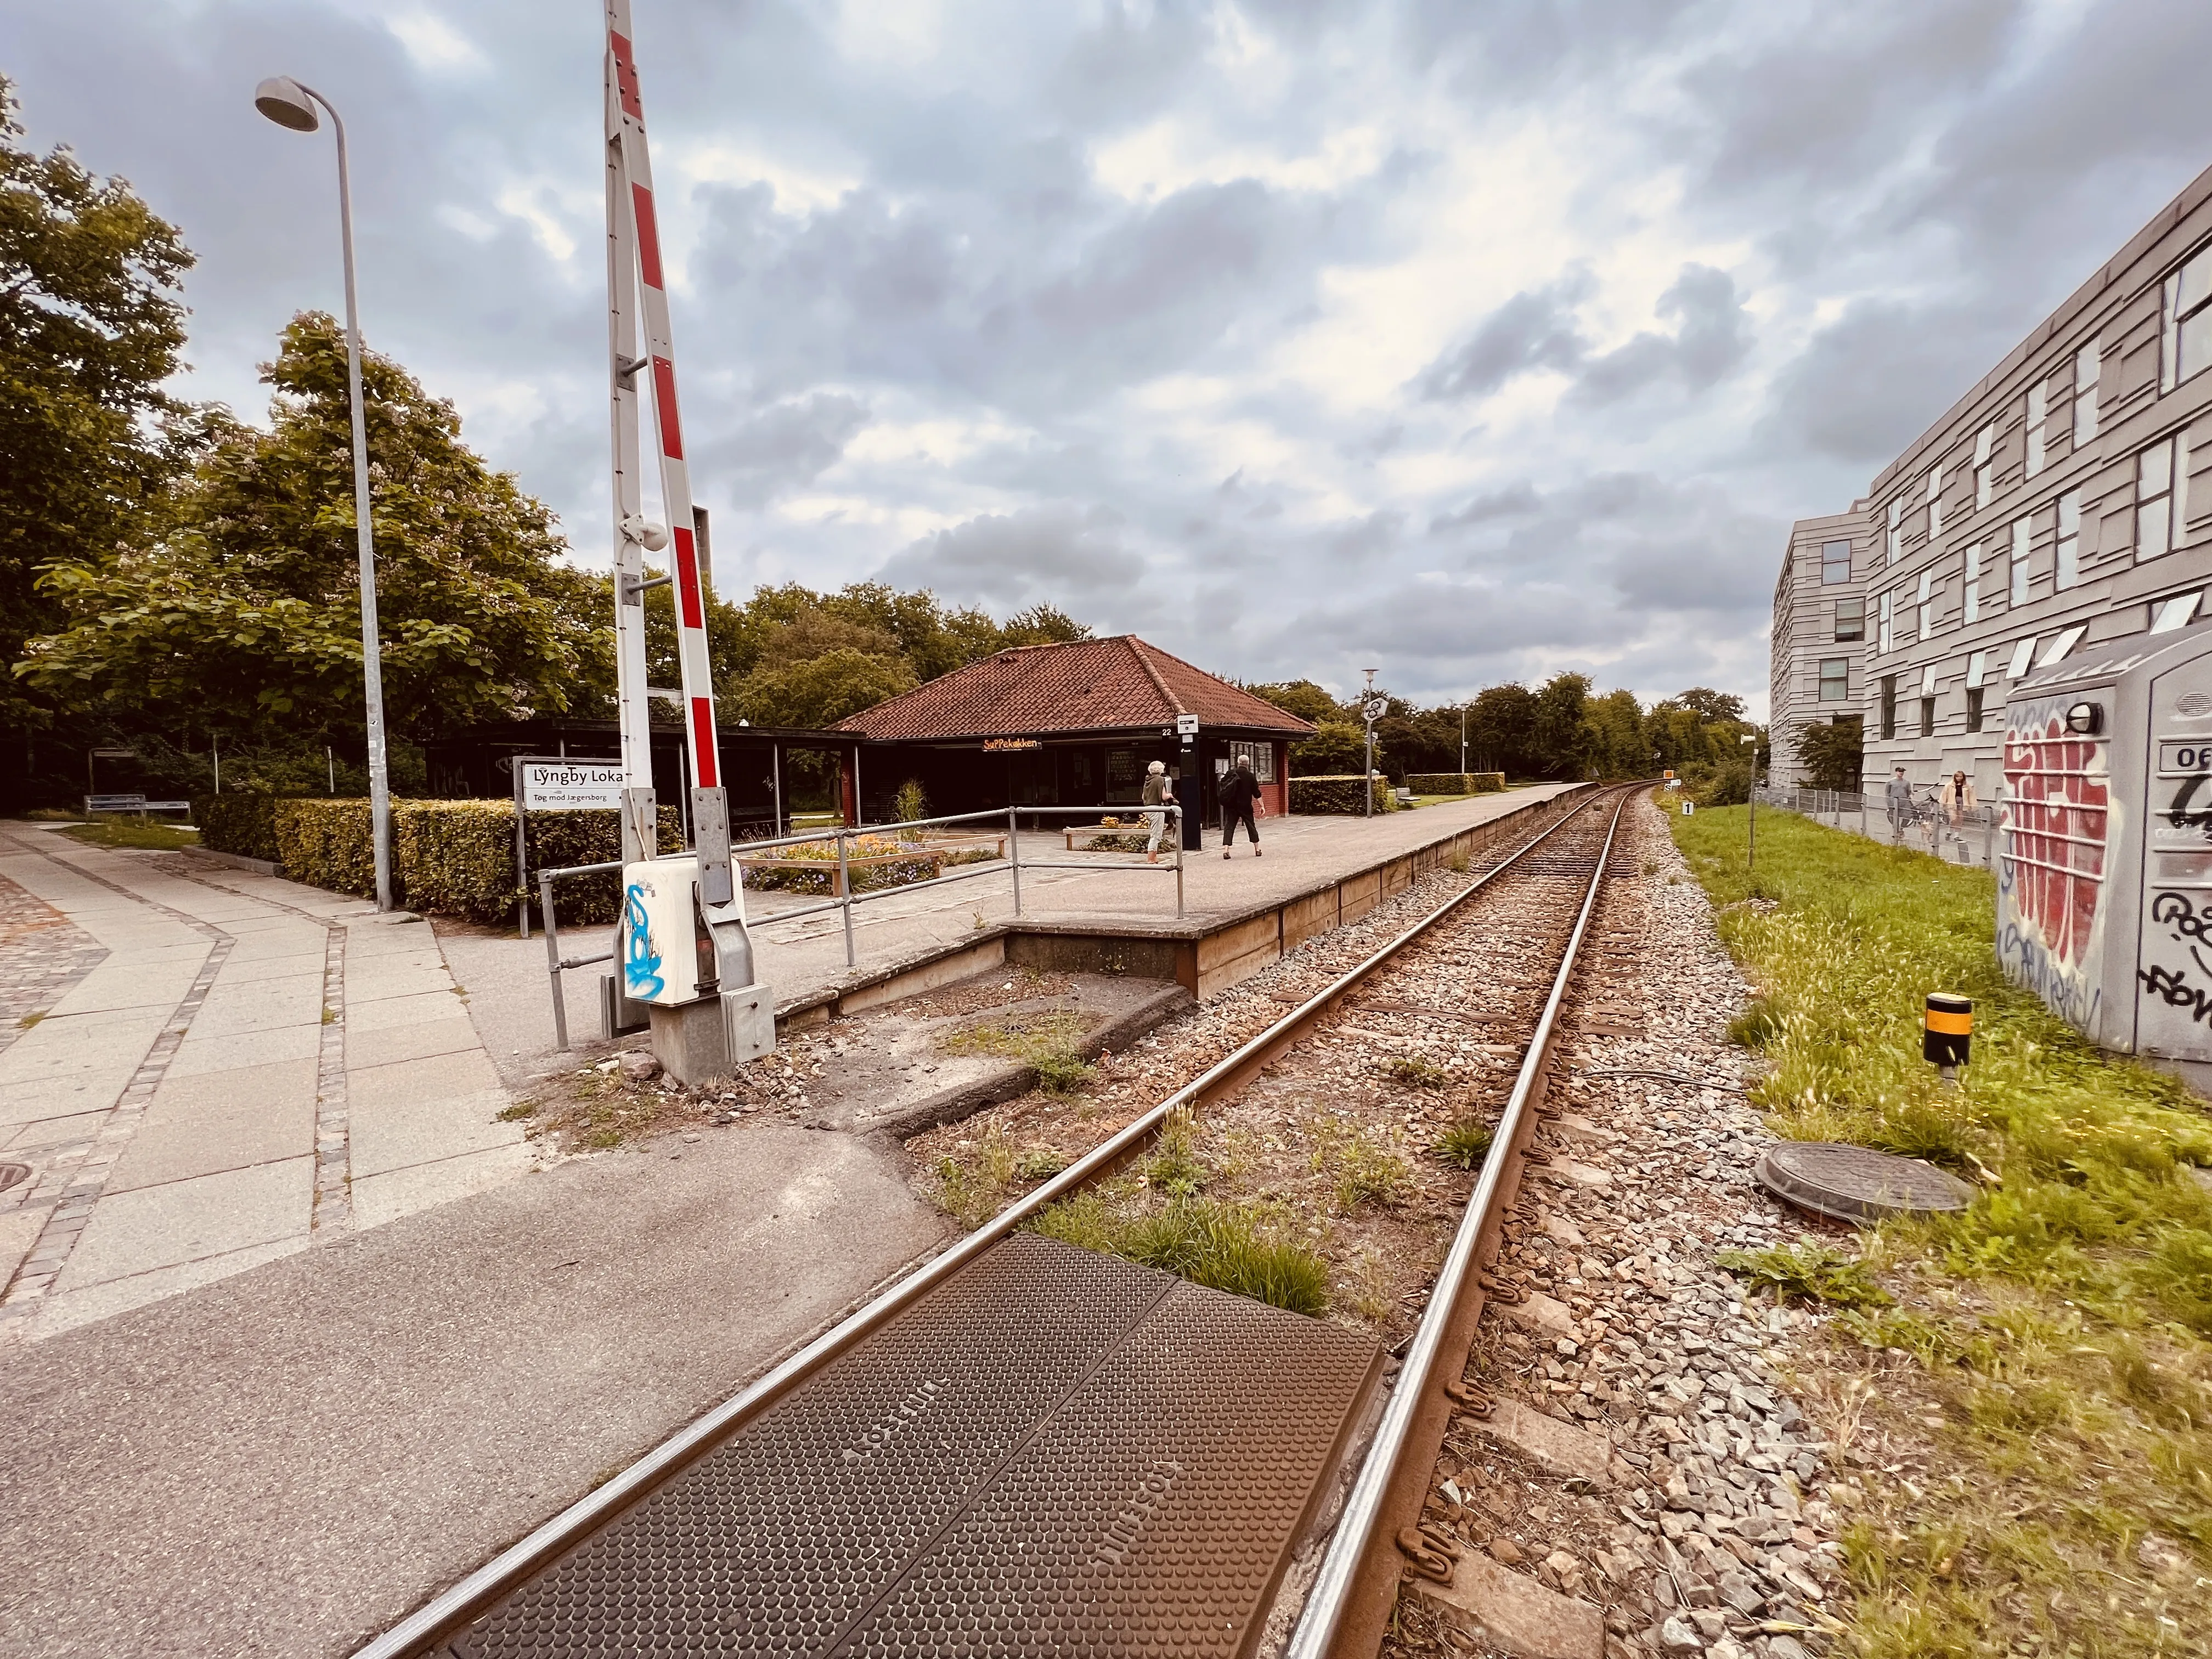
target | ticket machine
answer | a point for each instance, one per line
(2105, 861)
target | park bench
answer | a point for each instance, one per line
(94, 805)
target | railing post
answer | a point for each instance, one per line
(1178, 829)
(845, 892)
(1014, 854)
(552, 956)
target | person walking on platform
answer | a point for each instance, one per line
(1900, 797)
(1239, 791)
(1158, 791)
(1958, 799)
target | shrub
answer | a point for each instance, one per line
(1811, 1272)
(244, 824)
(1338, 796)
(1466, 1143)
(327, 843)
(1455, 783)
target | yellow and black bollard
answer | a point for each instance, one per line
(1949, 1033)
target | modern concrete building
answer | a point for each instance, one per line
(2059, 508)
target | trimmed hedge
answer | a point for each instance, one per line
(1339, 795)
(452, 857)
(1456, 783)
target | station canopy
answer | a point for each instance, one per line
(1119, 684)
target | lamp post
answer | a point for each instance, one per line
(1751, 800)
(1368, 712)
(290, 105)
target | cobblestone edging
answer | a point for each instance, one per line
(333, 1140)
(43, 954)
(77, 1176)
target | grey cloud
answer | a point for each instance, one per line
(782, 446)
(1067, 555)
(1711, 339)
(1535, 329)
(1516, 501)
(1869, 382)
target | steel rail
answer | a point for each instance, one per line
(440, 1614)
(1328, 1602)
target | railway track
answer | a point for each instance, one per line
(1022, 1448)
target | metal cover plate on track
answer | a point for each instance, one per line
(1053, 1452)
(1855, 1183)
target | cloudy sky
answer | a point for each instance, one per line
(1469, 341)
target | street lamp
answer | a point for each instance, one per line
(289, 104)
(1371, 710)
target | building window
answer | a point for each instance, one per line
(1924, 601)
(2022, 538)
(1977, 670)
(1927, 717)
(1887, 615)
(2186, 338)
(2175, 613)
(1850, 620)
(2061, 643)
(2038, 411)
(1934, 501)
(2066, 568)
(1973, 708)
(1888, 706)
(2161, 486)
(1893, 542)
(2022, 654)
(1260, 756)
(1835, 562)
(1986, 444)
(1835, 680)
(2087, 363)
(1972, 610)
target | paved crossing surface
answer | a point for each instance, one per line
(207, 1071)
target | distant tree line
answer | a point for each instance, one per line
(1562, 729)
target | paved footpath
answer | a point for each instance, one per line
(207, 1072)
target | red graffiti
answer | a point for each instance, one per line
(2055, 834)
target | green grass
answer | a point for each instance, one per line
(1419, 1070)
(1048, 1042)
(2056, 1328)
(1810, 1272)
(1243, 1248)
(143, 832)
(1466, 1143)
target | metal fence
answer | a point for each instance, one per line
(843, 871)
(1920, 824)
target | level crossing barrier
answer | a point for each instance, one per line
(1004, 824)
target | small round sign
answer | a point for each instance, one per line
(1853, 1184)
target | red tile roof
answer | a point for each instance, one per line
(1116, 685)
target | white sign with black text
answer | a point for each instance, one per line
(554, 786)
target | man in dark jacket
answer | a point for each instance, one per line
(1239, 790)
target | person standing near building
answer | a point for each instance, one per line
(1958, 799)
(1158, 791)
(1239, 791)
(1900, 795)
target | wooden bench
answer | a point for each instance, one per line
(138, 804)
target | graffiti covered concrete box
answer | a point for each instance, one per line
(2104, 866)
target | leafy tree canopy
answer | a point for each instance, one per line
(244, 615)
(90, 326)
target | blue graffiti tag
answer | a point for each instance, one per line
(641, 962)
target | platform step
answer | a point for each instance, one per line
(1053, 1452)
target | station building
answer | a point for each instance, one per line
(1065, 724)
(2061, 507)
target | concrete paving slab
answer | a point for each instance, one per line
(230, 1053)
(396, 1135)
(286, 1461)
(391, 1012)
(248, 970)
(85, 1091)
(206, 1143)
(51, 1132)
(433, 1077)
(136, 985)
(242, 1010)
(188, 1220)
(377, 936)
(304, 941)
(18, 1230)
(272, 1087)
(452, 1036)
(71, 1308)
(381, 1199)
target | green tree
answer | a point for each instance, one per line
(243, 617)
(1559, 736)
(1501, 730)
(90, 327)
(819, 691)
(1336, 748)
(1832, 755)
(1614, 741)
(1308, 701)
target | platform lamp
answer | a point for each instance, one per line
(291, 104)
(1751, 800)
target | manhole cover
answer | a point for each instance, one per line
(1852, 1183)
(12, 1175)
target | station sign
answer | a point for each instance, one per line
(558, 786)
(1186, 726)
(1005, 745)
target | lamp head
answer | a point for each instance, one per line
(285, 101)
